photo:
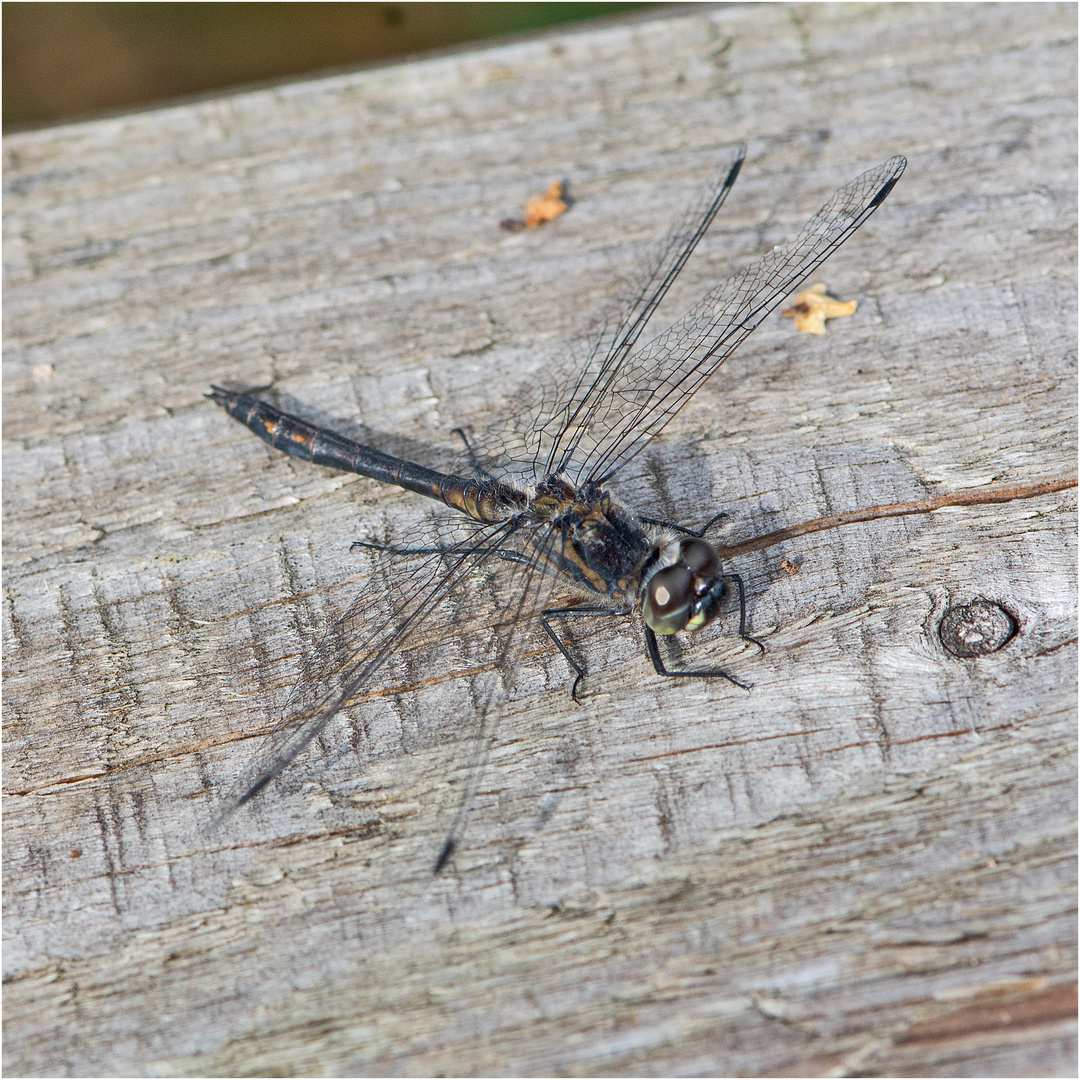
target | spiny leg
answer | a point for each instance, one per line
(742, 610)
(658, 666)
(474, 461)
(698, 534)
(573, 612)
(388, 549)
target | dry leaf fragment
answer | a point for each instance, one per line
(814, 305)
(539, 209)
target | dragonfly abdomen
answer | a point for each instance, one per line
(484, 501)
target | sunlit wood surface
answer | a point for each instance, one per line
(863, 866)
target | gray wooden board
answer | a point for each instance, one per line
(864, 865)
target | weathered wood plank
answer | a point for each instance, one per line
(865, 866)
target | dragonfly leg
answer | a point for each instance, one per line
(658, 665)
(574, 612)
(474, 461)
(509, 556)
(391, 550)
(742, 609)
(698, 533)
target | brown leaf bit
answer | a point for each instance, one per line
(813, 306)
(539, 209)
(790, 568)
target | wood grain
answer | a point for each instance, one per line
(864, 866)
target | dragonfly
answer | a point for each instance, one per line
(535, 507)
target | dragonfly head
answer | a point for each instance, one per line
(685, 594)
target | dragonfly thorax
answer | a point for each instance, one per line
(685, 593)
(599, 546)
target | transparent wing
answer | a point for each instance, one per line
(592, 410)
(632, 400)
(403, 606)
(519, 449)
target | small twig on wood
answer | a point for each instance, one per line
(980, 497)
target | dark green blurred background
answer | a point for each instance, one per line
(65, 60)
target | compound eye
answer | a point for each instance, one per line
(701, 558)
(668, 598)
